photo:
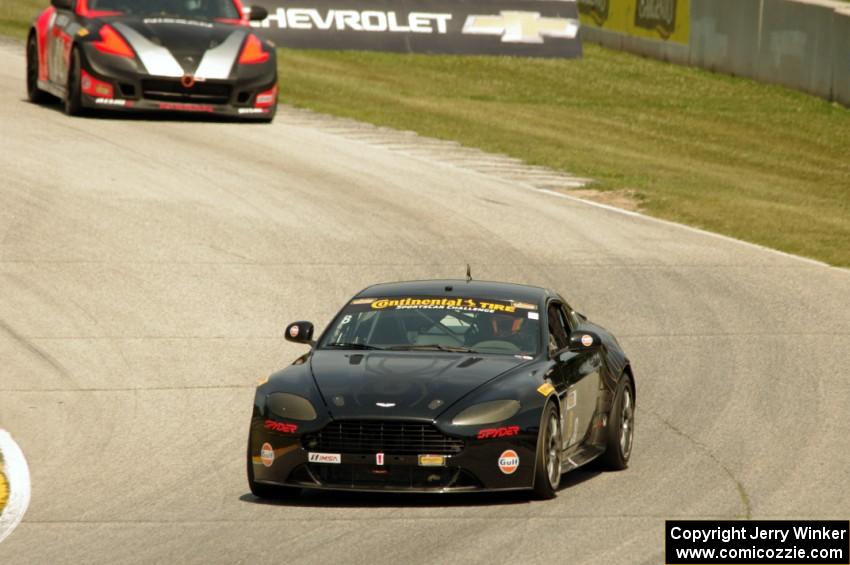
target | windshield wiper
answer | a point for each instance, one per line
(342, 345)
(432, 347)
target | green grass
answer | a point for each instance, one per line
(757, 162)
(16, 16)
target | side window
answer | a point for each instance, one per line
(569, 323)
(557, 332)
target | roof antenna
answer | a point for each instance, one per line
(468, 273)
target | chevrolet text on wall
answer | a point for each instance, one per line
(544, 28)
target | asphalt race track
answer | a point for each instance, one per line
(148, 268)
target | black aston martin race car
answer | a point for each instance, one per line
(165, 55)
(443, 386)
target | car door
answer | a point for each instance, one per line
(557, 343)
(583, 380)
(59, 43)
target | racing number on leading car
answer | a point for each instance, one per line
(58, 46)
(557, 343)
(583, 379)
(576, 377)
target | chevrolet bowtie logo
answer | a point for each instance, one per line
(521, 27)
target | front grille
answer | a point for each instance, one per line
(364, 477)
(172, 91)
(398, 438)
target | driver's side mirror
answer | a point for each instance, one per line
(62, 4)
(583, 341)
(257, 13)
(300, 332)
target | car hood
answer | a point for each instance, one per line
(175, 47)
(410, 385)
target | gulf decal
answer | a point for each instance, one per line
(508, 462)
(267, 454)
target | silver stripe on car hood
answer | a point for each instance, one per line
(218, 62)
(158, 60)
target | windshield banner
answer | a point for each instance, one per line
(417, 303)
(534, 28)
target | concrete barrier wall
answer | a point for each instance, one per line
(801, 44)
(724, 35)
(796, 45)
(661, 50)
(841, 56)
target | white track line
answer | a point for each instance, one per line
(17, 472)
(689, 228)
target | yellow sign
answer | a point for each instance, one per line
(664, 20)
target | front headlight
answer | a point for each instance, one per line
(290, 406)
(487, 413)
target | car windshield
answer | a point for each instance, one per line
(430, 323)
(203, 9)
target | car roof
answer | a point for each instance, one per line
(476, 289)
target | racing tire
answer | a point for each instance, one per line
(621, 427)
(272, 492)
(73, 96)
(547, 468)
(34, 94)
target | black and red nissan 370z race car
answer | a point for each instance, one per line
(164, 55)
(443, 386)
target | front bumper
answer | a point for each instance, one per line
(249, 93)
(144, 105)
(475, 468)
